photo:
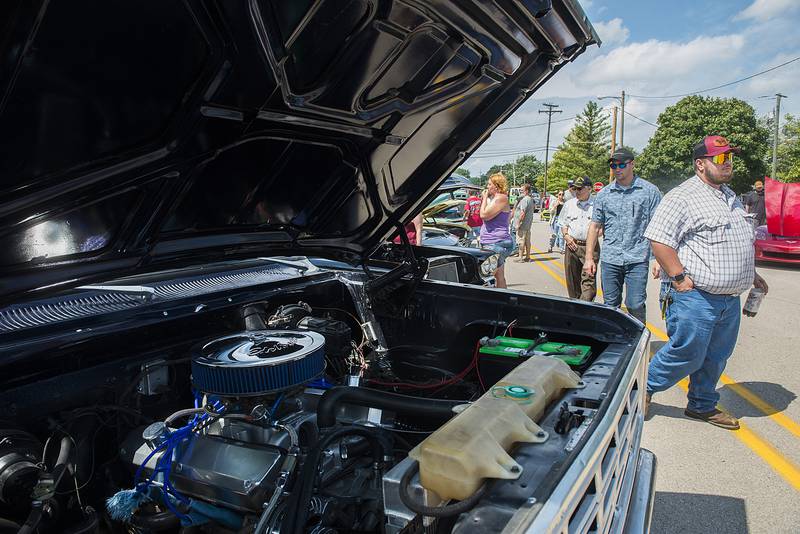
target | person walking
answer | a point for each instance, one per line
(472, 216)
(556, 238)
(754, 203)
(622, 211)
(575, 219)
(523, 214)
(495, 213)
(703, 240)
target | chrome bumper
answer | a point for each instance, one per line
(640, 511)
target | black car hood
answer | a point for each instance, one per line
(135, 135)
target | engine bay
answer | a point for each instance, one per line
(327, 407)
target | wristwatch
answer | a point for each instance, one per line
(678, 277)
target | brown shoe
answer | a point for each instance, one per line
(716, 418)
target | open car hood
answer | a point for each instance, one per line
(138, 135)
(440, 207)
(782, 203)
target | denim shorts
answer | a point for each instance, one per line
(502, 248)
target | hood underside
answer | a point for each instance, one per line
(782, 204)
(135, 135)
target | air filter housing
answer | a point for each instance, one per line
(258, 362)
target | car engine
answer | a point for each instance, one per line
(299, 420)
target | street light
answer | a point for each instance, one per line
(622, 116)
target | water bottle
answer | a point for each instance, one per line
(753, 301)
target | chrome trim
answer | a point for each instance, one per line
(596, 490)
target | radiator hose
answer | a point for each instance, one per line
(373, 398)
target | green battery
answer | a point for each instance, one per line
(514, 342)
(574, 355)
(499, 350)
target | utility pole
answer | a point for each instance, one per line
(778, 97)
(613, 139)
(622, 122)
(550, 110)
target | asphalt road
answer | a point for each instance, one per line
(712, 480)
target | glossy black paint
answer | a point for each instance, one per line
(220, 129)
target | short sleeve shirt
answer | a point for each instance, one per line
(525, 203)
(624, 213)
(576, 216)
(712, 234)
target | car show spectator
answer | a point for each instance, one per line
(495, 213)
(622, 211)
(556, 238)
(472, 215)
(754, 203)
(523, 218)
(574, 221)
(702, 239)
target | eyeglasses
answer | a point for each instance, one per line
(619, 165)
(719, 159)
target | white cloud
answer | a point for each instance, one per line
(658, 62)
(763, 10)
(612, 32)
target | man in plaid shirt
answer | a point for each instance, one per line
(703, 239)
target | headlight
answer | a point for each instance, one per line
(489, 265)
(761, 233)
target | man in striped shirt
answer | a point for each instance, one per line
(703, 239)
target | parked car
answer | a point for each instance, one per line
(202, 327)
(778, 241)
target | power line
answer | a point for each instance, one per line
(531, 125)
(641, 119)
(724, 84)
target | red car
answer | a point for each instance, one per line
(779, 239)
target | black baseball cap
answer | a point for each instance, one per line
(583, 182)
(622, 154)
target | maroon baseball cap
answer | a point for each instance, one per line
(711, 145)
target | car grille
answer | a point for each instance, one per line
(781, 255)
(92, 302)
(594, 494)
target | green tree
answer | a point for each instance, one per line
(524, 169)
(584, 151)
(667, 159)
(788, 163)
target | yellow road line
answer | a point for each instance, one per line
(757, 402)
(763, 406)
(778, 462)
(762, 448)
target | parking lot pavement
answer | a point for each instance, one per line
(712, 480)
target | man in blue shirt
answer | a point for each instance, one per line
(622, 212)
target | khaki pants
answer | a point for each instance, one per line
(580, 285)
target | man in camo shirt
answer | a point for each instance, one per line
(703, 239)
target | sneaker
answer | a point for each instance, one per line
(716, 418)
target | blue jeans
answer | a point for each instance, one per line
(634, 277)
(556, 237)
(702, 332)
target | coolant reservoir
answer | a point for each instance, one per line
(474, 445)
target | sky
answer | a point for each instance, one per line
(660, 48)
